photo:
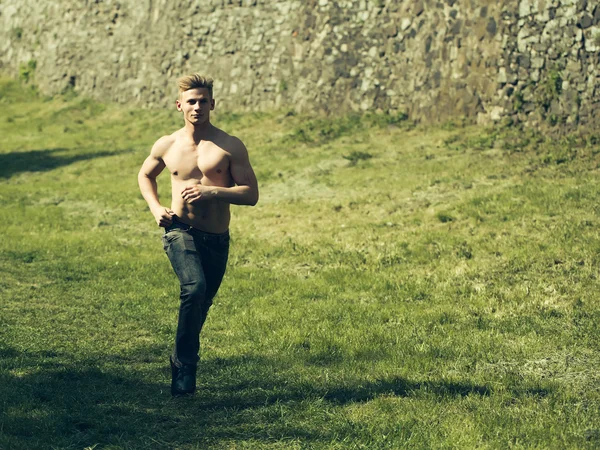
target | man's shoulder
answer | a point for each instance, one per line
(230, 143)
(163, 144)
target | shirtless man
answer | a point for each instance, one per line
(209, 171)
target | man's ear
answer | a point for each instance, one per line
(178, 105)
(212, 104)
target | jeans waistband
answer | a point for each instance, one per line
(179, 225)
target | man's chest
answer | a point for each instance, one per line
(191, 161)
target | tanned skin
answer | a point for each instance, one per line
(209, 169)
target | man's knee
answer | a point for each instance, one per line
(195, 290)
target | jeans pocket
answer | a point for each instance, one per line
(221, 241)
(168, 237)
(165, 243)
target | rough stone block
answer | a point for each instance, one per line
(524, 8)
(418, 8)
(524, 61)
(553, 54)
(496, 113)
(483, 119)
(491, 27)
(585, 22)
(537, 62)
(596, 15)
(456, 27)
(502, 78)
(391, 30)
(592, 39)
(512, 78)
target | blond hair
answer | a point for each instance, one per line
(195, 81)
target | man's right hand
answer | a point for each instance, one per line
(163, 216)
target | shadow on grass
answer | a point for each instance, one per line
(43, 160)
(50, 401)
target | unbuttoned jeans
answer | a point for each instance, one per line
(199, 260)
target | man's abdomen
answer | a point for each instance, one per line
(211, 216)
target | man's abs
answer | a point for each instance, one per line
(211, 216)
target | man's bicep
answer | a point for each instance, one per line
(154, 164)
(152, 167)
(241, 170)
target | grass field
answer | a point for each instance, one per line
(397, 286)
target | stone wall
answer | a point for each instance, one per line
(510, 60)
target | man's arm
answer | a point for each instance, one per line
(151, 168)
(246, 190)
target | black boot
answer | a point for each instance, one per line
(183, 379)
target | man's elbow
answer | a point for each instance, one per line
(143, 176)
(253, 199)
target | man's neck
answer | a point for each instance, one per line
(199, 132)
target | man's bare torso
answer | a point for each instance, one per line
(206, 163)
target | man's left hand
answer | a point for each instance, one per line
(196, 193)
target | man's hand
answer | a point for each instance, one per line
(196, 193)
(163, 216)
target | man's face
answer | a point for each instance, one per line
(196, 105)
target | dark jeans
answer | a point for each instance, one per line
(199, 260)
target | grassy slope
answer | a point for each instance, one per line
(440, 294)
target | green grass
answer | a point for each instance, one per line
(396, 287)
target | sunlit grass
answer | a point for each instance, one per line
(396, 286)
